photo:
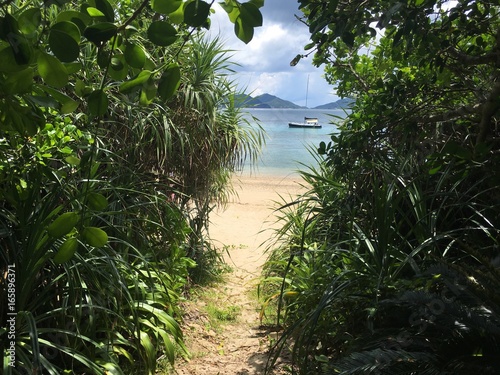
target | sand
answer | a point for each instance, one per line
(244, 227)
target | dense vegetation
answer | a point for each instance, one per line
(117, 136)
(390, 263)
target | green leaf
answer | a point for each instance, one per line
(44, 101)
(119, 68)
(148, 93)
(348, 39)
(94, 236)
(94, 12)
(177, 17)
(105, 7)
(80, 19)
(72, 160)
(162, 33)
(19, 82)
(64, 41)
(98, 103)
(97, 202)
(169, 82)
(30, 20)
(135, 56)
(232, 11)
(196, 13)
(8, 60)
(435, 170)
(103, 58)
(257, 3)
(100, 33)
(66, 251)
(136, 81)
(63, 224)
(166, 6)
(21, 48)
(52, 71)
(81, 89)
(251, 15)
(73, 67)
(243, 31)
(67, 104)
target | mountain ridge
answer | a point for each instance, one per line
(271, 101)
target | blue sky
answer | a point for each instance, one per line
(265, 61)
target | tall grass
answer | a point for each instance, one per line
(365, 274)
(106, 305)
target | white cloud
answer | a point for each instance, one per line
(265, 61)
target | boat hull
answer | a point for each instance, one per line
(303, 125)
(309, 122)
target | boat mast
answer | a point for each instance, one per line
(307, 89)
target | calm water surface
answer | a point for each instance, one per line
(287, 148)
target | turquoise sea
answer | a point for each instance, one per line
(287, 148)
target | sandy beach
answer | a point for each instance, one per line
(242, 228)
(249, 216)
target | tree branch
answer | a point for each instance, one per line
(135, 14)
(453, 114)
(489, 108)
(463, 58)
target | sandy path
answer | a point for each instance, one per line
(243, 226)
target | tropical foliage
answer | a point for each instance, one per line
(117, 135)
(390, 263)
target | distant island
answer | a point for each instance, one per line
(271, 101)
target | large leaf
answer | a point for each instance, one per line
(80, 19)
(19, 82)
(66, 103)
(94, 12)
(52, 71)
(162, 33)
(105, 7)
(243, 31)
(169, 82)
(81, 89)
(177, 17)
(66, 250)
(64, 41)
(196, 13)
(135, 56)
(30, 20)
(100, 33)
(94, 236)
(97, 202)
(118, 69)
(166, 6)
(98, 103)
(148, 92)
(73, 67)
(8, 60)
(140, 79)
(63, 224)
(257, 3)
(250, 15)
(21, 47)
(232, 10)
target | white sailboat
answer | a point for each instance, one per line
(309, 122)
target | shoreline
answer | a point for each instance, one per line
(262, 187)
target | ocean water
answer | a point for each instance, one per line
(287, 149)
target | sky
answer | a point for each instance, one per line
(265, 61)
